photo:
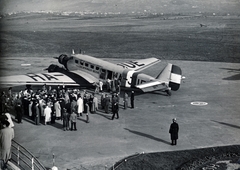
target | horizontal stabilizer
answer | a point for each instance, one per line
(151, 86)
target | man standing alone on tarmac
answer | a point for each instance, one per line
(174, 128)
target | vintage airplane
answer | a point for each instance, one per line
(81, 69)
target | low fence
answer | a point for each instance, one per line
(23, 159)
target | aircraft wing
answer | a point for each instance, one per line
(54, 78)
(152, 86)
(139, 65)
(88, 77)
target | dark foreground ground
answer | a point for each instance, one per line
(209, 58)
(218, 158)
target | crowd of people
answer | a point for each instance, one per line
(46, 105)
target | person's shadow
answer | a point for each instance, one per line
(148, 136)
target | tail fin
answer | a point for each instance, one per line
(171, 74)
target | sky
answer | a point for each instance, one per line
(122, 6)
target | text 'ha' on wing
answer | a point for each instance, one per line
(37, 79)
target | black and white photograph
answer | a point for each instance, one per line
(120, 84)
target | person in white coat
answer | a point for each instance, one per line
(30, 108)
(95, 104)
(57, 109)
(80, 106)
(47, 113)
(6, 136)
(9, 119)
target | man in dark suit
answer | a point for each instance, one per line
(132, 99)
(115, 109)
(174, 128)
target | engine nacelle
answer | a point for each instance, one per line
(63, 59)
(54, 68)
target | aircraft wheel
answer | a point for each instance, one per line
(169, 93)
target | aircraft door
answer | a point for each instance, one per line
(109, 75)
(105, 74)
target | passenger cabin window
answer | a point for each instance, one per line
(81, 62)
(86, 64)
(97, 68)
(92, 66)
(76, 61)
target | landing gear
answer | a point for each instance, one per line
(169, 93)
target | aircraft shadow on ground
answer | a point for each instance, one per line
(227, 124)
(234, 77)
(148, 136)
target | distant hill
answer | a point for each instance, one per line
(121, 6)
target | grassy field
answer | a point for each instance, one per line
(166, 37)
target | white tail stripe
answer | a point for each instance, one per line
(129, 78)
(176, 78)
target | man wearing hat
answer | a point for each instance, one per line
(174, 128)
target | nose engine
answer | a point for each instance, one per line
(63, 59)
